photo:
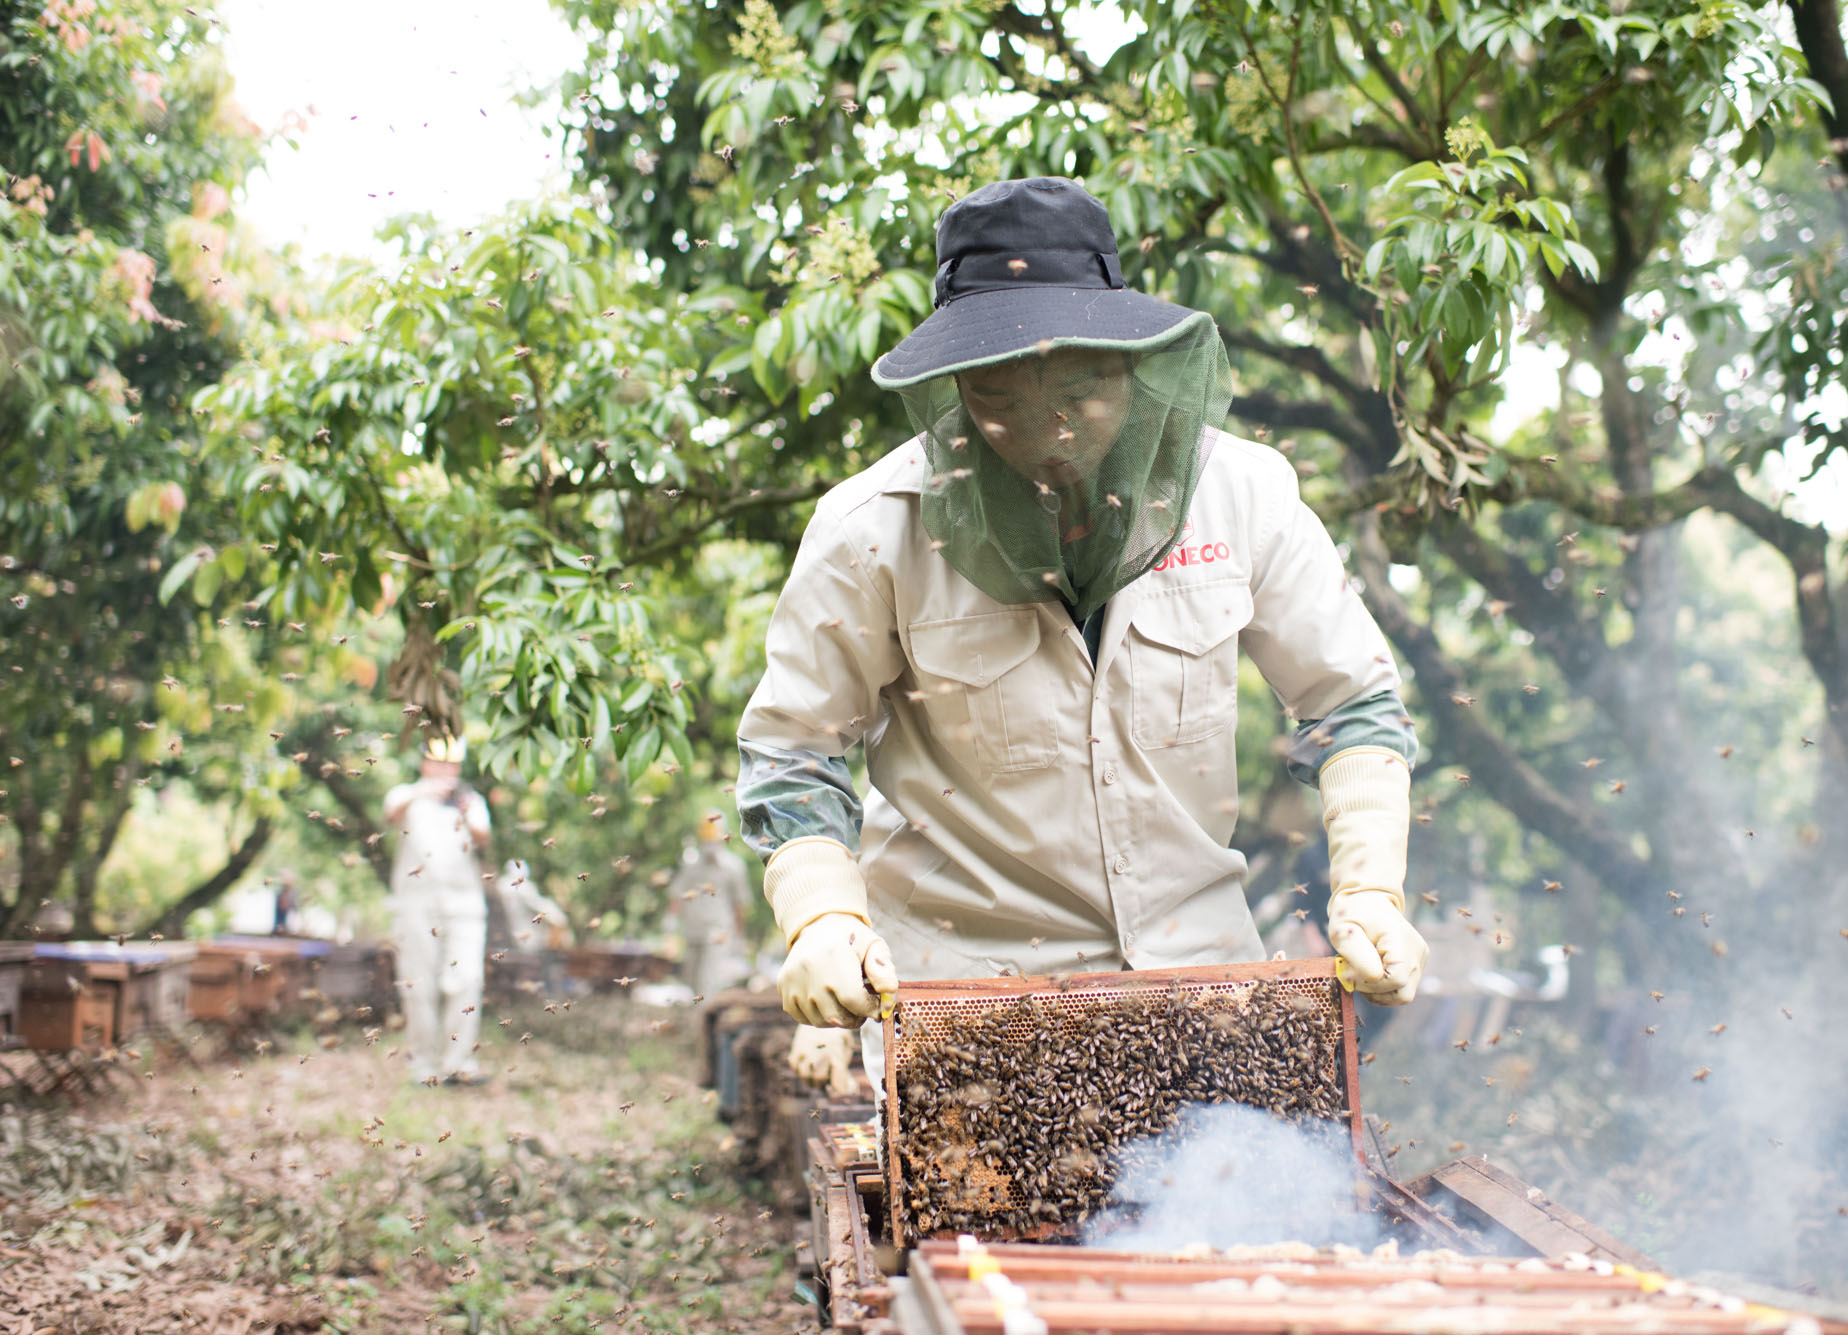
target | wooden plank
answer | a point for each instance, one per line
(1321, 969)
(1509, 1207)
(1350, 1071)
(1071, 1264)
(1596, 1240)
(926, 1309)
(837, 1263)
(1377, 1298)
(1192, 1314)
(865, 1269)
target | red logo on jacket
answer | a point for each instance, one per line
(1189, 553)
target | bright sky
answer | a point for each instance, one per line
(409, 107)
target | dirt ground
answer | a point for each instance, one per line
(310, 1186)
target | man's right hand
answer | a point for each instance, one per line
(836, 969)
(837, 965)
(824, 1058)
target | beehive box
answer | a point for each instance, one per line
(218, 982)
(15, 959)
(241, 979)
(601, 963)
(61, 1007)
(356, 973)
(150, 980)
(282, 971)
(1007, 1100)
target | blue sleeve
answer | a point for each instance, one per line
(1374, 720)
(784, 795)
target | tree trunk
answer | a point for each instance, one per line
(324, 770)
(83, 906)
(1819, 33)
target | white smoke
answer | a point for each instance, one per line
(1228, 1175)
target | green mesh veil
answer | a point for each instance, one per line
(1080, 530)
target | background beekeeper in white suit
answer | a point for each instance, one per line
(439, 914)
(706, 902)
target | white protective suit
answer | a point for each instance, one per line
(708, 898)
(439, 921)
(1027, 813)
(531, 916)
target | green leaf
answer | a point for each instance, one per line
(641, 754)
(205, 583)
(181, 571)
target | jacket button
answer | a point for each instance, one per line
(1109, 773)
(1122, 864)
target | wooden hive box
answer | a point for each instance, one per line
(960, 1155)
(15, 960)
(61, 1007)
(151, 978)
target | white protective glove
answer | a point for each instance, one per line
(1367, 811)
(824, 1058)
(838, 965)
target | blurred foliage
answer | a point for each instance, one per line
(123, 287)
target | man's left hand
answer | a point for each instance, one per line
(824, 1058)
(1384, 953)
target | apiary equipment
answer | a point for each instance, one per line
(238, 980)
(63, 1007)
(352, 974)
(603, 963)
(150, 980)
(15, 959)
(942, 1176)
(961, 1288)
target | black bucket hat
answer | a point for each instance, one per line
(1025, 266)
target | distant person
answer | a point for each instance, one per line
(286, 904)
(534, 920)
(706, 903)
(439, 914)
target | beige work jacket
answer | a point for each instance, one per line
(1032, 811)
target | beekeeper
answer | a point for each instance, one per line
(439, 914)
(533, 920)
(707, 900)
(1030, 614)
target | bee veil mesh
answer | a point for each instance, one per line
(1068, 473)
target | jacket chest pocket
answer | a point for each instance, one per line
(1183, 663)
(983, 692)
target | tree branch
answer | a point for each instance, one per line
(172, 920)
(88, 868)
(323, 769)
(1344, 249)
(1591, 99)
(1011, 20)
(1504, 775)
(1822, 627)
(1576, 645)
(1269, 410)
(730, 509)
(1307, 358)
(1369, 52)
(1819, 33)
(1371, 136)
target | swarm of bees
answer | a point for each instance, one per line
(1015, 1119)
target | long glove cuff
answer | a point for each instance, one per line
(809, 877)
(1367, 811)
